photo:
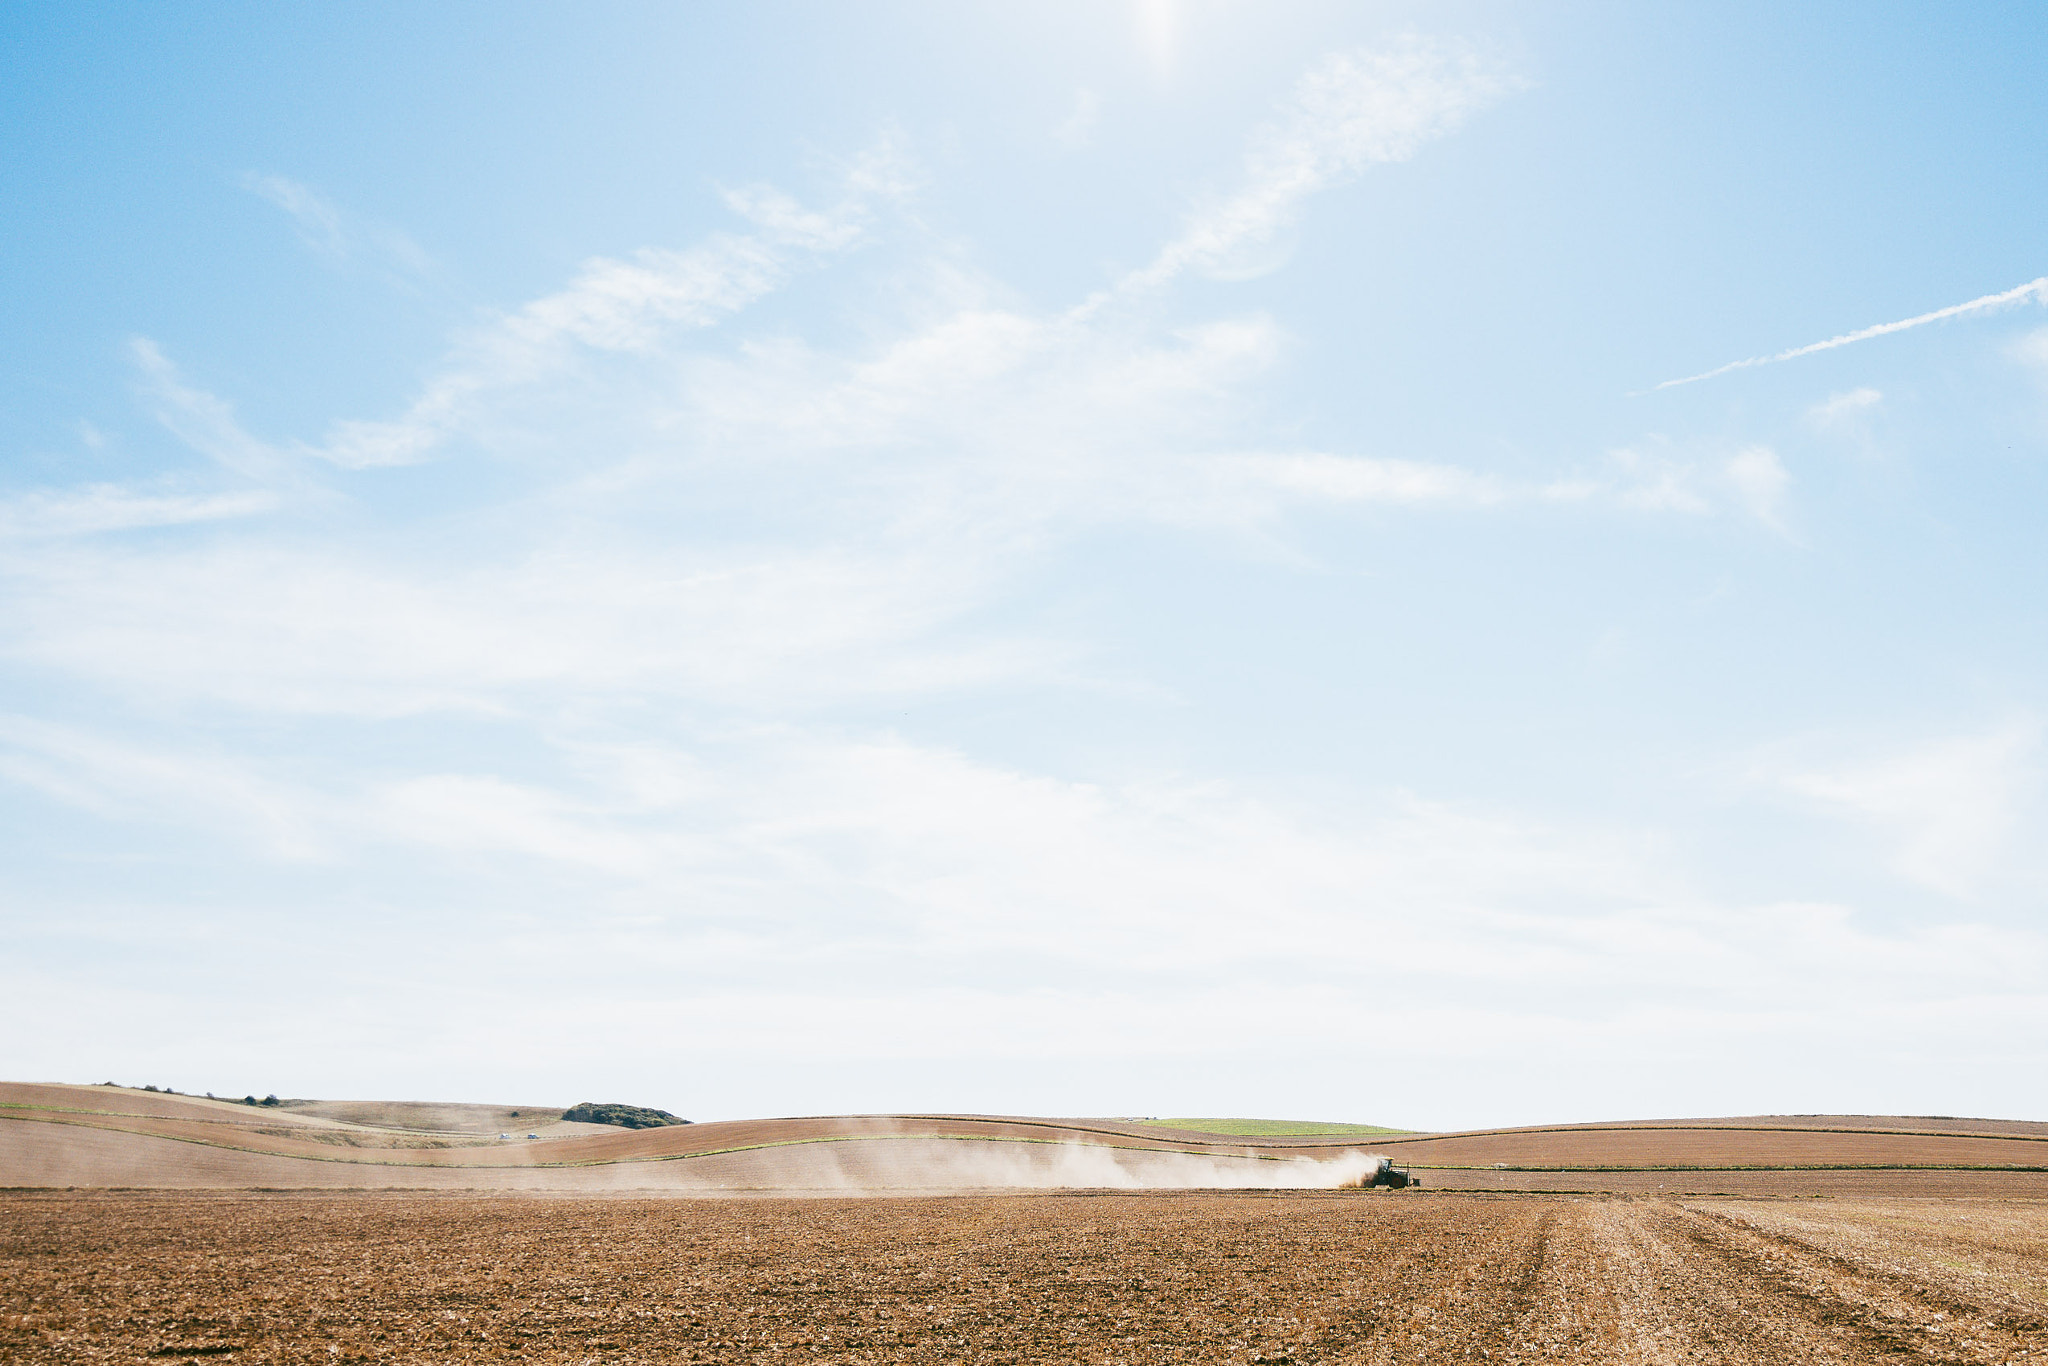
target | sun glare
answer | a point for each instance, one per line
(1158, 25)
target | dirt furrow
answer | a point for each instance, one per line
(1682, 1301)
(1967, 1261)
(1911, 1318)
(1786, 1296)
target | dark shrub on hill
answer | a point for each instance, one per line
(625, 1116)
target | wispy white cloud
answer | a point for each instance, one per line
(1358, 479)
(883, 171)
(873, 497)
(2034, 290)
(1946, 808)
(207, 423)
(1658, 479)
(463, 814)
(1350, 111)
(316, 630)
(785, 222)
(161, 784)
(1751, 482)
(1837, 410)
(2032, 350)
(113, 507)
(1648, 480)
(319, 222)
(1760, 481)
(792, 855)
(616, 306)
(338, 236)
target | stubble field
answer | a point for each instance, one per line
(1188, 1277)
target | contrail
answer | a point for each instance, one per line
(2034, 289)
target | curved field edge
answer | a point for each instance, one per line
(1269, 1128)
(1731, 1167)
(1707, 1128)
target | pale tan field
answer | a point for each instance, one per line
(99, 1137)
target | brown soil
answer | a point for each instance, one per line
(1306, 1278)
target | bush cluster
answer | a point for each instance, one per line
(625, 1116)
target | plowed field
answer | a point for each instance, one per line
(1295, 1277)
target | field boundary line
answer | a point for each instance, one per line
(1708, 1129)
(1746, 1167)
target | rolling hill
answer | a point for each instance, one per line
(54, 1135)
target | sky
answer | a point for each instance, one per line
(1374, 562)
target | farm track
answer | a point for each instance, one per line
(1132, 1279)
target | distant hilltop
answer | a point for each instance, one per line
(625, 1116)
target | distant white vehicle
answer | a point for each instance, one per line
(533, 1135)
(504, 1135)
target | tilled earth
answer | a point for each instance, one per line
(1199, 1277)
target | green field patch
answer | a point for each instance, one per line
(1268, 1128)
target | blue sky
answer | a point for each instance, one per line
(1066, 558)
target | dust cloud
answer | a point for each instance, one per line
(973, 1164)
